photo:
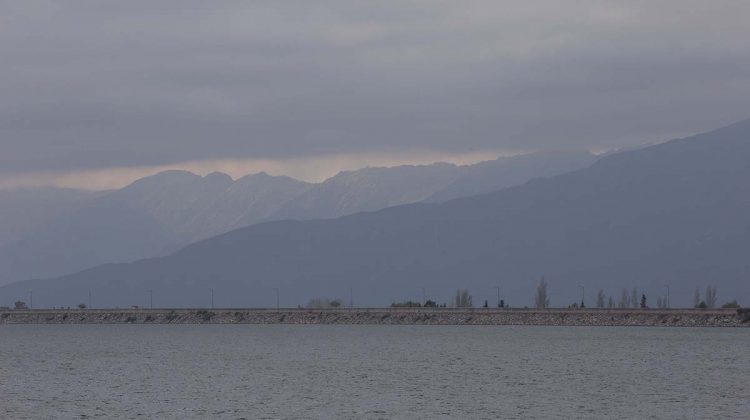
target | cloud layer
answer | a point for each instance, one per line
(89, 86)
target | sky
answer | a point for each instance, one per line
(94, 94)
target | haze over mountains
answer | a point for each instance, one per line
(23, 210)
(49, 232)
(673, 214)
(376, 188)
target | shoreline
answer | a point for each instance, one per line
(387, 316)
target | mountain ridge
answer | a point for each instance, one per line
(184, 207)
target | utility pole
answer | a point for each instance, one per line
(212, 298)
(31, 299)
(667, 296)
(151, 298)
(276, 289)
(583, 295)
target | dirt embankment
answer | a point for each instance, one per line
(395, 316)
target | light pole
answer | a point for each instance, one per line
(583, 295)
(276, 289)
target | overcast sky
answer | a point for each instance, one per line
(130, 86)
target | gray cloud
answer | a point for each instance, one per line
(86, 85)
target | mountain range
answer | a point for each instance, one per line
(50, 232)
(674, 214)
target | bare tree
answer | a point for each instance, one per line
(611, 303)
(600, 298)
(659, 303)
(634, 298)
(711, 296)
(541, 300)
(696, 298)
(624, 299)
(463, 299)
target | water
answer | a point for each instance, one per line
(287, 371)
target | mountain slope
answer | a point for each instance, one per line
(151, 217)
(198, 207)
(677, 213)
(372, 189)
(504, 172)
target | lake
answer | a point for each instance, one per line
(371, 372)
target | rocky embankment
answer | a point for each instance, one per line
(395, 316)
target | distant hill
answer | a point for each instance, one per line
(673, 214)
(159, 214)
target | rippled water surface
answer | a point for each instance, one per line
(286, 371)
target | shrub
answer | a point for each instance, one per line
(204, 315)
(407, 304)
(171, 316)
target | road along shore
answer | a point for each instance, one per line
(388, 316)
